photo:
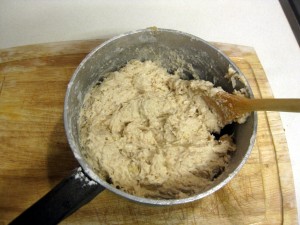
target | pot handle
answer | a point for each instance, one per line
(65, 198)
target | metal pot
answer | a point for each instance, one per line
(173, 49)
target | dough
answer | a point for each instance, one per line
(149, 133)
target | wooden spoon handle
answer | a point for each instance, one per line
(282, 105)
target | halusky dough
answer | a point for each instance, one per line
(149, 133)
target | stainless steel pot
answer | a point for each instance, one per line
(173, 49)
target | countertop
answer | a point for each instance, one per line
(260, 24)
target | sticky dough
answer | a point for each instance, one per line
(149, 133)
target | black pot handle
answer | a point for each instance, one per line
(69, 195)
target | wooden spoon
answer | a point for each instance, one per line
(230, 107)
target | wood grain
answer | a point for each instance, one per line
(35, 155)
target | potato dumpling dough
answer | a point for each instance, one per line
(149, 133)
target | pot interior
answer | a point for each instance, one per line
(174, 50)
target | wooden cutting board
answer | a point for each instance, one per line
(35, 155)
